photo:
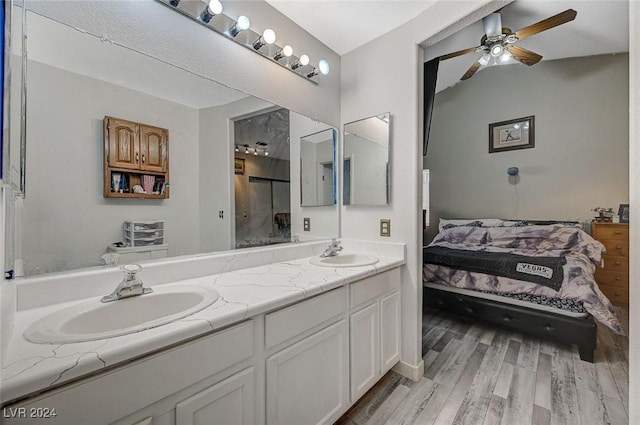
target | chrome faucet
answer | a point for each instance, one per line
(333, 249)
(130, 286)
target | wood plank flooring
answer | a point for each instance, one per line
(481, 374)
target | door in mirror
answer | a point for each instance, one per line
(366, 161)
(317, 169)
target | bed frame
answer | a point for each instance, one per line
(555, 327)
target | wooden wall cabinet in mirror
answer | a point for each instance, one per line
(136, 160)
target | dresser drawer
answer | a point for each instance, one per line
(611, 231)
(616, 247)
(615, 294)
(615, 263)
(612, 278)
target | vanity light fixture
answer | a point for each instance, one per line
(203, 12)
(286, 51)
(268, 37)
(242, 24)
(302, 61)
(214, 7)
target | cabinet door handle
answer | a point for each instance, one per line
(137, 157)
(143, 158)
(617, 278)
(618, 263)
(618, 232)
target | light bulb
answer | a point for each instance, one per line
(243, 24)
(255, 152)
(302, 61)
(237, 148)
(496, 50)
(266, 153)
(286, 51)
(215, 7)
(484, 60)
(505, 57)
(269, 36)
(323, 65)
(246, 150)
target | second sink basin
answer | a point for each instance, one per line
(345, 259)
(93, 320)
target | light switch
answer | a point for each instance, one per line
(306, 224)
(385, 227)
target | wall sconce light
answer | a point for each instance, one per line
(214, 7)
(242, 24)
(203, 13)
(286, 51)
(268, 37)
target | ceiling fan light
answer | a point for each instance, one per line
(496, 50)
(505, 57)
(484, 60)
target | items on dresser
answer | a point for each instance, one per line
(613, 278)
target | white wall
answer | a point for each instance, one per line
(393, 85)
(66, 222)
(581, 142)
(368, 170)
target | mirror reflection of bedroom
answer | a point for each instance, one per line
(527, 251)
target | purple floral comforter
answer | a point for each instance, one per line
(582, 252)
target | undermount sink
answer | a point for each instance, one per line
(93, 320)
(345, 259)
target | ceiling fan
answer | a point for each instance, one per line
(499, 41)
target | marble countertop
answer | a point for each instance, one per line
(244, 293)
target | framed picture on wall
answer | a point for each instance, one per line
(623, 213)
(512, 134)
(239, 166)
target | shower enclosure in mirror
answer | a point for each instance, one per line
(75, 78)
(317, 173)
(366, 161)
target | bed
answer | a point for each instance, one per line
(533, 276)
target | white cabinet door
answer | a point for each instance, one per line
(390, 331)
(365, 349)
(230, 402)
(308, 382)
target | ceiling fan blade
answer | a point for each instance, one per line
(559, 19)
(459, 53)
(525, 56)
(471, 71)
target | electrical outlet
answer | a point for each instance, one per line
(385, 227)
(306, 224)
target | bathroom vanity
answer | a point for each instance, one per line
(288, 342)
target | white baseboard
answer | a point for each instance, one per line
(413, 372)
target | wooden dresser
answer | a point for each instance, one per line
(613, 279)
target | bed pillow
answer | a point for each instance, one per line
(520, 223)
(446, 223)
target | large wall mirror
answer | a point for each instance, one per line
(317, 175)
(234, 176)
(366, 161)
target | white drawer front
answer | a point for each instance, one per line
(299, 318)
(367, 290)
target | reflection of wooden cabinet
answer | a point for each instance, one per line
(132, 151)
(613, 278)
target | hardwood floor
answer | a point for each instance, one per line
(480, 374)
